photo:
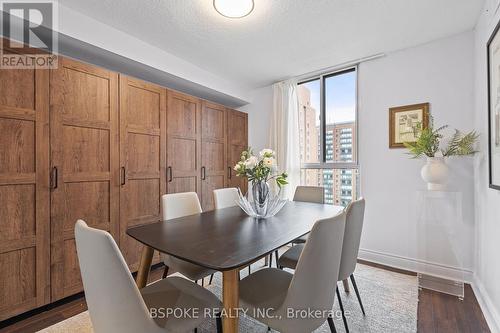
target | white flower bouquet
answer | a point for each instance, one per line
(260, 202)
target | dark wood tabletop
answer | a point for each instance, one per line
(226, 239)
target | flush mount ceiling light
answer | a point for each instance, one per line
(234, 8)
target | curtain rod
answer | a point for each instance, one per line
(338, 67)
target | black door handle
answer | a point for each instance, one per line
(123, 176)
(203, 173)
(229, 174)
(170, 174)
(54, 178)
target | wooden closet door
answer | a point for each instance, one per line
(183, 142)
(84, 163)
(142, 159)
(237, 141)
(213, 152)
(24, 190)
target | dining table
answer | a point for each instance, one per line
(226, 240)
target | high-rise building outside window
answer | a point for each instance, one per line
(328, 135)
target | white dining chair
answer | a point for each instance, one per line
(350, 249)
(314, 194)
(116, 304)
(312, 286)
(179, 205)
(226, 197)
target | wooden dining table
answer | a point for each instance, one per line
(226, 240)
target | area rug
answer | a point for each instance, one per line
(390, 300)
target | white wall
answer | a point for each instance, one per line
(259, 115)
(487, 268)
(440, 73)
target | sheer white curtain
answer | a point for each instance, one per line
(284, 132)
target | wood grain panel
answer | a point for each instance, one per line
(88, 201)
(84, 150)
(183, 143)
(142, 159)
(18, 146)
(237, 141)
(24, 192)
(17, 89)
(183, 184)
(18, 216)
(144, 153)
(213, 159)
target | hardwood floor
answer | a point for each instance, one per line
(437, 313)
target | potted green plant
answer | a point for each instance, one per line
(429, 141)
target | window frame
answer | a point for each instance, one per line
(323, 164)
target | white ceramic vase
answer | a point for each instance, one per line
(435, 173)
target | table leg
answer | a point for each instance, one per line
(144, 266)
(230, 299)
(346, 285)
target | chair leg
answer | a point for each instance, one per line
(270, 260)
(195, 330)
(276, 255)
(332, 325)
(357, 294)
(218, 322)
(165, 272)
(344, 319)
(249, 270)
(211, 278)
(203, 282)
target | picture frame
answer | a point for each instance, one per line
(402, 121)
(493, 60)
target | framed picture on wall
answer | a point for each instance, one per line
(406, 122)
(494, 108)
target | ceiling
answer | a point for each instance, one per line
(282, 38)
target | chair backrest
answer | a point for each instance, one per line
(225, 197)
(352, 237)
(115, 304)
(315, 278)
(180, 204)
(309, 194)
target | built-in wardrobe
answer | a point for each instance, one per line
(80, 141)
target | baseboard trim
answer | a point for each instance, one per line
(416, 265)
(489, 311)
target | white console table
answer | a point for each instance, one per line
(439, 215)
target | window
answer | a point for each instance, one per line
(328, 135)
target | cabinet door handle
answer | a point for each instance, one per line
(170, 174)
(54, 178)
(229, 174)
(123, 176)
(203, 173)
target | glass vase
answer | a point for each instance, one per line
(260, 201)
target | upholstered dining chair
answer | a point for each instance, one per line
(116, 304)
(225, 197)
(279, 292)
(352, 237)
(179, 205)
(314, 194)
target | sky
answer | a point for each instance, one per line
(340, 97)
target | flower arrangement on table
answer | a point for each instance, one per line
(260, 170)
